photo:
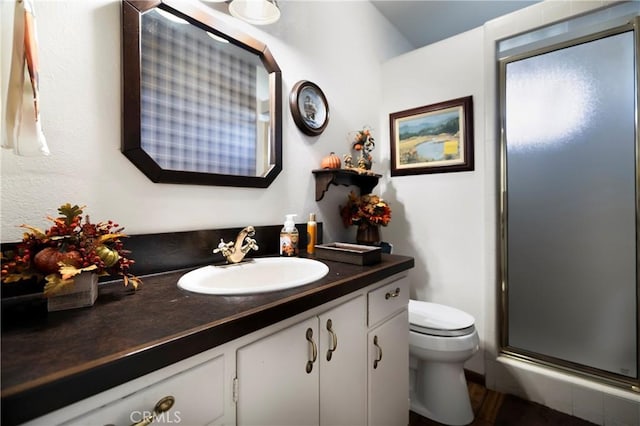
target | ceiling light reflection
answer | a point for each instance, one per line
(546, 104)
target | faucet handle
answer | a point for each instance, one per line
(224, 248)
(251, 243)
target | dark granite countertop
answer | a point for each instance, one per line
(52, 360)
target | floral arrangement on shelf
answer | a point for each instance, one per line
(363, 143)
(72, 245)
(365, 210)
(362, 140)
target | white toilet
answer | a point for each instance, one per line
(441, 339)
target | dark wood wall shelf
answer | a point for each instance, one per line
(325, 177)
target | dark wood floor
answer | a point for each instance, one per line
(494, 408)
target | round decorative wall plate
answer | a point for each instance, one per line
(309, 108)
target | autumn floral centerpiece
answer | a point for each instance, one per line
(72, 245)
(367, 212)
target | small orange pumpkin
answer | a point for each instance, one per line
(46, 260)
(331, 161)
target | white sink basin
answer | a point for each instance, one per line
(256, 276)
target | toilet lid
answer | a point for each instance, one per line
(439, 320)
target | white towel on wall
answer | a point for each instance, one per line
(23, 125)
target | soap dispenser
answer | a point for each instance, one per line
(289, 238)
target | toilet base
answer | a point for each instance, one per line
(440, 393)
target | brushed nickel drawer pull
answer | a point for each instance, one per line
(377, 360)
(163, 405)
(395, 293)
(314, 350)
(334, 340)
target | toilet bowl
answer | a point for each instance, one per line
(441, 339)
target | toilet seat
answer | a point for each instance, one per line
(439, 320)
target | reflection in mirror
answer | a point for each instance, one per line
(202, 101)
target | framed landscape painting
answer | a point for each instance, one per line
(435, 138)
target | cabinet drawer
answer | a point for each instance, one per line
(390, 298)
(198, 394)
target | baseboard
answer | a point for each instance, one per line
(474, 377)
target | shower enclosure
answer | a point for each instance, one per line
(569, 205)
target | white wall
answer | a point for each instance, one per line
(438, 218)
(80, 51)
(449, 221)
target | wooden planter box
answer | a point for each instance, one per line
(82, 293)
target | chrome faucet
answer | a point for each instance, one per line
(234, 252)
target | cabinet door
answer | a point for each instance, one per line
(277, 382)
(343, 373)
(198, 400)
(388, 368)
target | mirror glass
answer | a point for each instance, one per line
(202, 101)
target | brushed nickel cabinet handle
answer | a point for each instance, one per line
(314, 350)
(334, 340)
(390, 294)
(377, 360)
(163, 405)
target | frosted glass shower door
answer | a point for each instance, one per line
(570, 231)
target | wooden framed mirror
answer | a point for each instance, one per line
(202, 101)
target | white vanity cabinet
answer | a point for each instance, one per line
(311, 373)
(343, 396)
(366, 381)
(197, 386)
(197, 399)
(388, 361)
(341, 363)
